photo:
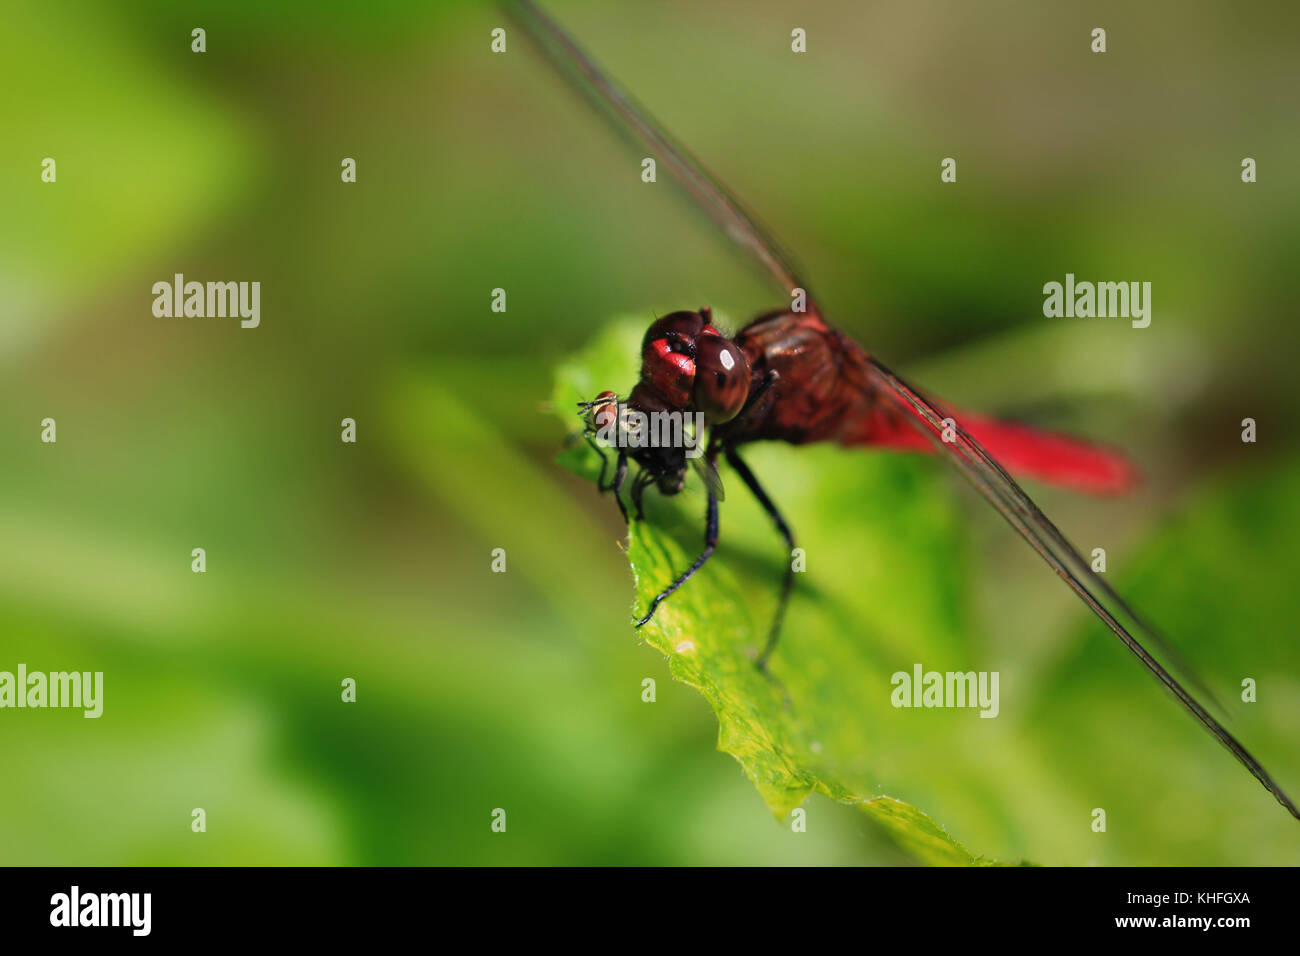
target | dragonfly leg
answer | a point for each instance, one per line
(710, 542)
(770, 379)
(787, 585)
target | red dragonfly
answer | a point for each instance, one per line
(790, 376)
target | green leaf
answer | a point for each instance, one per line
(884, 588)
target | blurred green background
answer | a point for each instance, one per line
(476, 171)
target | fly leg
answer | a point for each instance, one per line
(643, 479)
(787, 585)
(710, 542)
(604, 462)
(620, 474)
(616, 486)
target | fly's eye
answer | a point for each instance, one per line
(721, 378)
(602, 412)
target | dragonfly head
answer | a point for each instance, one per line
(690, 365)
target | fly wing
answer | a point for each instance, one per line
(709, 475)
(1043, 536)
(636, 123)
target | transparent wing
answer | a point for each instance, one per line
(1021, 513)
(709, 475)
(631, 119)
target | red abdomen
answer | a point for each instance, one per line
(1022, 450)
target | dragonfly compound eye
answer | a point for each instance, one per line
(721, 378)
(679, 328)
(668, 356)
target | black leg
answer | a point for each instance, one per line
(787, 584)
(604, 461)
(710, 542)
(770, 379)
(643, 480)
(616, 486)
